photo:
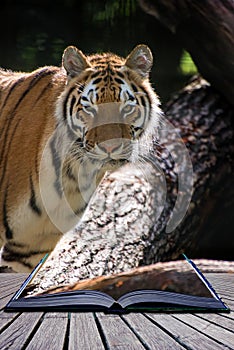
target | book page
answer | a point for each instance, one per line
(177, 277)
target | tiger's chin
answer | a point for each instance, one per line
(111, 166)
(114, 164)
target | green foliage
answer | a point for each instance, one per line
(187, 66)
(32, 46)
(29, 49)
(114, 9)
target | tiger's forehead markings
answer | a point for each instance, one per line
(108, 83)
(99, 89)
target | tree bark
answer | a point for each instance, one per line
(205, 121)
(126, 223)
(206, 29)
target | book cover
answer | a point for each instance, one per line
(145, 289)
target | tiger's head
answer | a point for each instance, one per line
(109, 105)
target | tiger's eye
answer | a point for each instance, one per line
(128, 109)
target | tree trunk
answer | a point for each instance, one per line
(206, 29)
(135, 216)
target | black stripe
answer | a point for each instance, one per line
(94, 75)
(66, 101)
(84, 98)
(145, 91)
(73, 128)
(130, 97)
(98, 80)
(9, 252)
(81, 88)
(15, 244)
(121, 75)
(17, 83)
(72, 103)
(142, 99)
(57, 166)
(43, 92)
(17, 259)
(119, 81)
(32, 201)
(34, 80)
(8, 231)
(135, 89)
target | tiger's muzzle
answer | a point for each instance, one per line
(109, 142)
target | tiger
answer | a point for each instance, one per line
(61, 129)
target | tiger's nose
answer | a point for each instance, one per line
(110, 146)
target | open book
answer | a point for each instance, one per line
(122, 293)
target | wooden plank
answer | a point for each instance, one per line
(10, 278)
(151, 335)
(5, 295)
(10, 282)
(84, 333)
(14, 275)
(214, 331)
(51, 333)
(225, 295)
(7, 315)
(117, 334)
(229, 316)
(9, 285)
(9, 290)
(223, 283)
(184, 334)
(6, 318)
(16, 335)
(220, 320)
(220, 277)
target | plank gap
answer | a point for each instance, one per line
(202, 329)
(66, 338)
(141, 340)
(10, 321)
(217, 321)
(30, 337)
(101, 332)
(165, 330)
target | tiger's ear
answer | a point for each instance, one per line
(140, 60)
(74, 61)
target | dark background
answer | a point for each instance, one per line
(34, 33)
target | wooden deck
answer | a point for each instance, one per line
(84, 331)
